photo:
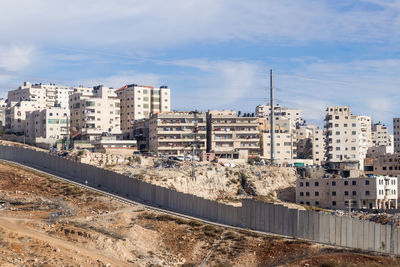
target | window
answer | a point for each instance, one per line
(333, 203)
(307, 194)
(354, 182)
(367, 193)
(354, 193)
(366, 182)
(307, 184)
(301, 184)
(316, 184)
(333, 193)
(301, 194)
(316, 194)
(346, 193)
(333, 183)
(346, 182)
(317, 203)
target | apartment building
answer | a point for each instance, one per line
(140, 133)
(376, 192)
(347, 136)
(174, 133)
(230, 135)
(293, 115)
(383, 164)
(396, 134)
(15, 116)
(3, 106)
(381, 135)
(46, 95)
(46, 125)
(285, 148)
(310, 143)
(140, 102)
(95, 113)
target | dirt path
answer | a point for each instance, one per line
(16, 225)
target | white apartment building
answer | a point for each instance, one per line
(230, 135)
(46, 95)
(381, 135)
(311, 143)
(95, 113)
(140, 102)
(46, 125)
(174, 133)
(3, 106)
(293, 115)
(396, 134)
(376, 192)
(347, 136)
(15, 116)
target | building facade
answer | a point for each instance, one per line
(310, 143)
(347, 136)
(377, 192)
(140, 102)
(3, 107)
(230, 135)
(95, 113)
(381, 135)
(45, 95)
(175, 133)
(396, 135)
(285, 148)
(46, 125)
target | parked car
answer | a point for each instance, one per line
(180, 158)
(173, 158)
(148, 154)
(137, 153)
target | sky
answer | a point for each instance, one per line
(213, 54)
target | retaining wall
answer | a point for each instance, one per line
(256, 215)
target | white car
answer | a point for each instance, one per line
(180, 158)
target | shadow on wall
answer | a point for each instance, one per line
(287, 194)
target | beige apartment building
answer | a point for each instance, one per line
(174, 133)
(15, 116)
(383, 164)
(381, 135)
(293, 115)
(347, 136)
(140, 102)
(310, 143)
(46, 95)
(377, 192)
(3, 106)
(230, 136)
(95, 113)
(285, 148)
(46, 125)
(396, 134)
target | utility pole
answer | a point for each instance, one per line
(272, 130)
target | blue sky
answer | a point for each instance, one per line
(213, 54)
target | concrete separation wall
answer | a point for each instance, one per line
(256, 215)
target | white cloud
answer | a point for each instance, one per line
(371, 87)
(143, 24)
(222, 84)
(120, 79)
(15, 58)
